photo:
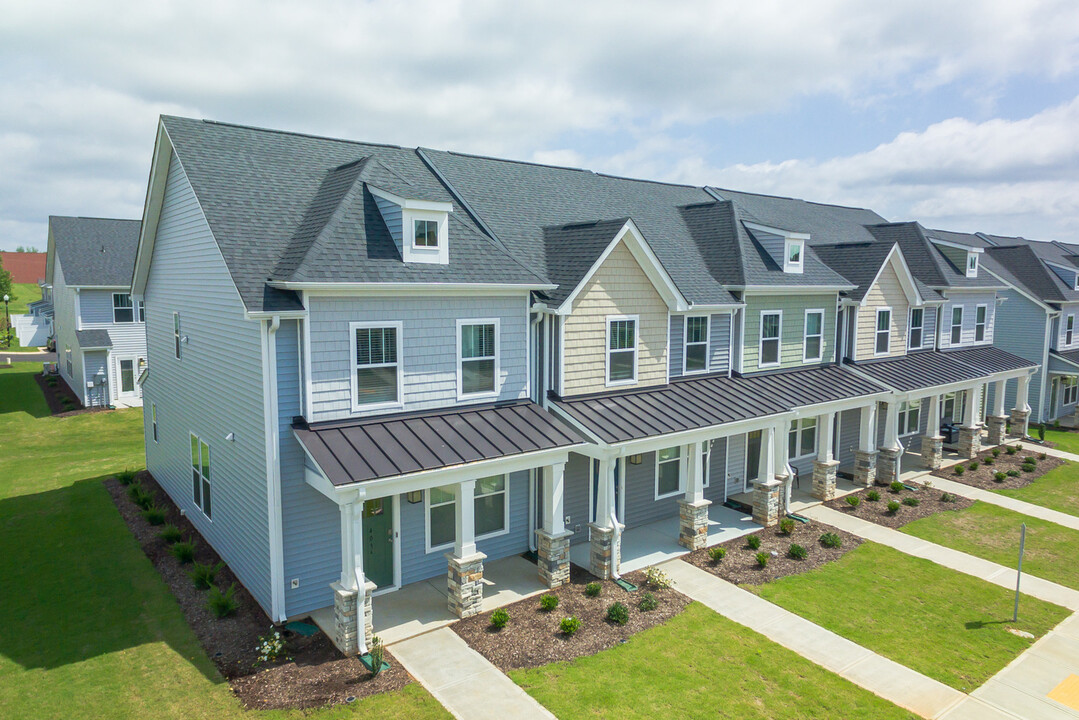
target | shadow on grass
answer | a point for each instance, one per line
(77, 585)
(979, 624)
(19, 392)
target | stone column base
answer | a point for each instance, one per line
(997, 424)
(553, 551)
(603, 558)
(888, 465)
(865, 467)
(932, 451)
(824, 474)
(766, 501)
(346, 632)
(693, 524)
(1019, 421)
(465, 583)
(970, 442)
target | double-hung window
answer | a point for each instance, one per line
(491, 516)
(696, 357)
(490, 502)
(200, 474)
(909, 417)
(917, 328)
(668, 472)
(980, 313)
(176, 333)
(122, 309)
(425, 233)
(1069, 330)
(813, 349)
(376, 363)
(477, 357)
(883, 336)
(957, 325)
(1071, 389)
(802, 438)
(621, 350)
(153, 419)
(771, 324)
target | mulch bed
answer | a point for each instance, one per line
(740, 565)
(983, 476)
(316, 675)
(55, 394)
(532, 637)
(929, 503)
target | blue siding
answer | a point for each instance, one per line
(717, 472)
(969, 301)
(736, 464)
(641, 505)
(719, 343)
(575, 498)
(1021, 325)
(677, 344)
(391, 215)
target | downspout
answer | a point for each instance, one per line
(273, 494)
(533, 324)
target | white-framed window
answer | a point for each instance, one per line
(176, 333)
(668, 472)
(67, 361)
(981, 312)
(1069, 329)
(492, 508)
(695, 358)
(425, 233)
(376, 364)
(813, 345)
(957, 325)
(491, 512)
(771, 328)
(141, 308)
(127, 375)
(948, 407)
(153, 419)
(123, 311)
(1069, 386)
(909, 417)
(916, 332)
(441, 504)
(477, 357)
(200, 474)
(882, 342)
(802, 438)
(793, 255)
(972, 265)
(621, 349)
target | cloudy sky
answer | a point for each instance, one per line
(963, 115)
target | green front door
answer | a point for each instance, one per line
(378, 541)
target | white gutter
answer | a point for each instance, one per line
(273, 468)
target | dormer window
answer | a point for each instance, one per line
(792, 257)
(972, 265)
(425, 233)
(419, 228)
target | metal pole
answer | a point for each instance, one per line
(1019, 572)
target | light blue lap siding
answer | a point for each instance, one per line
(717, 472)
(641, 505)
(429, 348)
(719, 343)
(677, 344)
(736, 464)
(575, 497)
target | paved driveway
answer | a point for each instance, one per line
(27, 357)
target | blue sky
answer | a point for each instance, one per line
(961, 115)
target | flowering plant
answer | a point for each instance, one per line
(271, 648)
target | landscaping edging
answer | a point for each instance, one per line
(929, 503)
(983, 476)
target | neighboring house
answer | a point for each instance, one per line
(99, 330)
(371, 366)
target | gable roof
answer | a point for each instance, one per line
(94, 251)
(861, 264)
(1022, 263)
(926, 261)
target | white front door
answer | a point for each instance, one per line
(126, 377)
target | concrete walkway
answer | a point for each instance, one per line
(886, 678)
(463, 680)
(992, 498)
(1052, 451)
(954, 559)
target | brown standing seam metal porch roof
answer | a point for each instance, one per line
(922, 370)
(354, 451)
(700, 402)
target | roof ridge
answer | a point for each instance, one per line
(788, 197)
(275, 131)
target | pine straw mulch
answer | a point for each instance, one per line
(316, 675)
(929, 503)
(56, 393)
(740, 565)
(983, 476)
(532, 637)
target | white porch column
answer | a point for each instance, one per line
(933, 441)
(465, 519)
(1021, 411)
(766, 488)
(998, 397)
(604, 555)
(693, 509)
(825, 436)
(552, 540)
(997, 421)
(865, 457)
(891, 452)
(826, 466)
(554, 514)
(464, 577)
(970, 433)
(352, 593)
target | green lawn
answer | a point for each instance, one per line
(992, 532)
(699, 665)
(949, 626)
(23, 294)
(1066, 441)
(1057, 490)
(87, 627)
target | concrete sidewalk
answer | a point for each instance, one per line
(992, 498)
(954, 559)
(463, 680)
(886, 678)
(1053, 451)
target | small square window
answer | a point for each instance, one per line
(426, 233)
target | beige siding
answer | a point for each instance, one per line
(887, 292)
(619, 287)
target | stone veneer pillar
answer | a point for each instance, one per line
(693, 523)
(553, 551)
(766, 501)
(465, 583)
(970, 442)
(602, 558)
(865, 467)
(346, 634)
(824, 476)
(932, 451)
(888, 460)
(1019, 421)
(997, 428)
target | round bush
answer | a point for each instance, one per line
(896, 486)
(648, 603)
(548, 602)
(1000, 477)
(1012, 473)
(499, 618)
(854, 501)
(1028, 467)
(754, 542)
(973, 465)
(911, 501)
(569, 625)
(797, 552)
(996, 452)
(593, 589)
(763, 558)
(1011, 450)
(717, 553)
(786, 526)
(947, 498)
(618, 613)
(831, 540)
(872, 496)
(988, 461)
(893, 506)
(959, 470)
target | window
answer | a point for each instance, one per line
(802, 438)
(957, 324)
(491, 505)
(696, 357)
(1070, 385)
(668, 472)
(979, 323)
(153, 419)
(792, 256)
(909, 417)
(441, 517)
(883, 341)
(376, 362)
(127, 376)
(947, 409)
(67, 361)
(200, 474)
(814, 336)
(917, 328)
(972, 265)
(142, 311)
(425, 233)
(1069, 330)
(122, 309)
(176, 332)
(771, 321)
(492, 510)
(621, 350)
(477, 357)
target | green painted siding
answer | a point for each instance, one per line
(792, 328)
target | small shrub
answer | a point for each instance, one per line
(947, 498)
(973, 465)
(1042, 456)
(271, 648)
(786, 526)
(797, 552)
(717, 553)
(854, 501)
(618, 613)
(183, 551)
(754, 542)
(648, 603)
(1041, 432)
(1011, 450)
(125, 477)
(548, 602)
(959, 470)
(593, 589)
(763, 558)
(500, 618)
(831, 540)
(1030, 459)
(912, 501)
(988, 461)
(155, 515)
(896, 486)
(203, 575)
(377, 653)
(171, 534)
(1018, 447)
(657, 579)
(893, 506)
(1028, 467)
(569, 625)
(1012, 473)
(996, 452)
(1000, 477)
(872, 496)
(140, 496)
(222, 604)
(927, 484)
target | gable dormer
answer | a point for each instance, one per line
(1069, 277)
(420, 228)
(786, 248)
(964, 257)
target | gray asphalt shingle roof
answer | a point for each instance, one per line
(860, 262)
(93, 338)
(826, 224)
(1023, 262)
(95, 251)
(926, 262)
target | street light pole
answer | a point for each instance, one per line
(7, 319)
